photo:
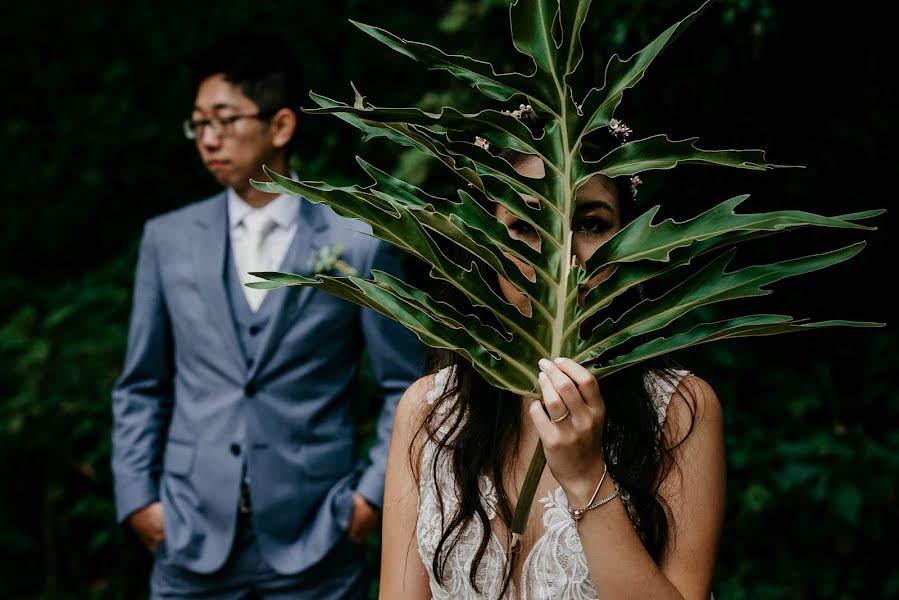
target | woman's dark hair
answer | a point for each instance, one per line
(481, 423)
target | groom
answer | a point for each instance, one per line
(233, 440)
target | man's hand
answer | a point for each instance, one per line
(363, 520)
(147, 524)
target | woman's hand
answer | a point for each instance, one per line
(571, 427)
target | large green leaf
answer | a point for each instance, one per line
(749, 326)
(562, 321)
(711, 284)
(480, 74)
(658, 152)
(641, 240)
(599, 105)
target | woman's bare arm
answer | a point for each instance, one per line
(620, 566)
(694, 489)
(403, 576)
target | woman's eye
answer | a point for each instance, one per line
(592, 225)
(522, 228)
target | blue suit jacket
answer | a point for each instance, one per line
(188, 410)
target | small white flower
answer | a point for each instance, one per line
(523, 109)
(328, 261)
(619, 129)
(635, 183)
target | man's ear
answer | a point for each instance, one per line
(282, 126)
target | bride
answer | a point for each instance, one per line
(631, 504)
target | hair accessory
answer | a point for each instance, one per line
(621, 132)
(524, 111)
(635, 183)
(479, 141)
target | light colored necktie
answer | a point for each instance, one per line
(251, 255)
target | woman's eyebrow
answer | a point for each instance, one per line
(591, 204)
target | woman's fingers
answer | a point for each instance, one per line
(569, 422)
(542, 413)
(541, 422)
(552, 401)
(568, 393)
(586, 383)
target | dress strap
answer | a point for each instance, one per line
(661, 386)
(438, 387)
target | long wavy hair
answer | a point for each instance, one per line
(478, 426)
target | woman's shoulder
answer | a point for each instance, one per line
(700, 395)
(420, 397)
(427, 389)
(692, 404)
(683, 390)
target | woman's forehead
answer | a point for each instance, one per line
(598, 192)
(599, 187)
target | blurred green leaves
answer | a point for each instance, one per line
(61, 352)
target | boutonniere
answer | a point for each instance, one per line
(327, 261)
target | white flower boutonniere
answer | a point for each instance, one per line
(327, 261)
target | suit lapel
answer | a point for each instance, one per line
(209, 247)
(310, 236)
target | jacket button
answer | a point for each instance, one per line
(250, 389)
(235, 449)
(255, 329)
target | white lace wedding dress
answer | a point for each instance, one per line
(554, 569)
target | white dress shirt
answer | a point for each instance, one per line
(283, 210)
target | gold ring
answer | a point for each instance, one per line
(562, 418)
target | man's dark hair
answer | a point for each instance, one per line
(263, 67)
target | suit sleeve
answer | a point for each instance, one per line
(397, 360)
(142, 396)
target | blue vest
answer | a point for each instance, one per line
(250, 326)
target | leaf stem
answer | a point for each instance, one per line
(526, 496)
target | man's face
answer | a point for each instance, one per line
(234, 152)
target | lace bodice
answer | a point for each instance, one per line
(554, 569)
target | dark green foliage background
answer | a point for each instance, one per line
(90, 143)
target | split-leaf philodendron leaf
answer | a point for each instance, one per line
(506, 352)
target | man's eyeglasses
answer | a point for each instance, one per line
(220, 126)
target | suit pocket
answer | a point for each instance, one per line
(179, 458)
(327, 460)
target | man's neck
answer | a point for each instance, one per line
(258, 198)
